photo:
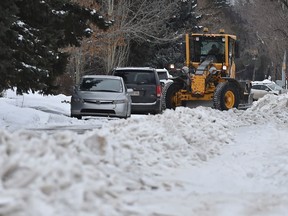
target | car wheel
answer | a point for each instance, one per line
(76, 116)
(169, 93)
(127, 116)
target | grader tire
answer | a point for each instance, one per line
(226, 96)
(169, 92)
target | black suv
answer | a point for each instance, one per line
(146, 95)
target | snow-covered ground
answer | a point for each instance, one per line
(185, 162)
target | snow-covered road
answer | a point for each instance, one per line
(248, 177)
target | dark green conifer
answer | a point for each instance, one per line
(33, 33)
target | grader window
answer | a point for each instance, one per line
(201, 47)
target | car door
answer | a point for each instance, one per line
(258, 91)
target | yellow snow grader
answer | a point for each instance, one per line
(208, 74)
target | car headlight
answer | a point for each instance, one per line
(76, 99)
(120, 101)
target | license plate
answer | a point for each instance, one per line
(135, 93)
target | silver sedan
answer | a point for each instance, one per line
(260, 89)
(101, 95)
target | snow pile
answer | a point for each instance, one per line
(34, 111)
(99, 172)
(54, 104)
(270, 108)
(69, 174)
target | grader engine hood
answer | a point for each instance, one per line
(199, 79)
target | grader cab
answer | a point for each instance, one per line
(209, 74)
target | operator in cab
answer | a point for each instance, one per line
(214, 50)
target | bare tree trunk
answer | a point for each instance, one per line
(110, 8)
(117, 45)
(117, 56)
(137, 20)
(78, 63)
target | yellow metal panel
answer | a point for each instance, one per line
(226, 50)
(186, 96)
(215, 35)
(198, 84)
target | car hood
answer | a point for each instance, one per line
(166, 80)
(100, 95)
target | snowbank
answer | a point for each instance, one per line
(102, 172)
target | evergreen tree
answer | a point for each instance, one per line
(8, 9)
(34, 33)
(222, 3)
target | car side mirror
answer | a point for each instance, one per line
(74, 88)
(129, 90)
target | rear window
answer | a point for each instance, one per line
(136, 77)
(162, 75)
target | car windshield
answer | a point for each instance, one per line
(274, 87)
(100, 84)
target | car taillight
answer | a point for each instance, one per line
(158, 91)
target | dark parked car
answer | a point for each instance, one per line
(146, 95)
(101, 95)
